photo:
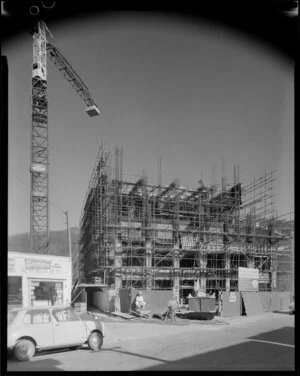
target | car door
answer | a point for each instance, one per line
(37, 324)
(68, 329)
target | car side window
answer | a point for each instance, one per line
(41, 316)
(65, 315)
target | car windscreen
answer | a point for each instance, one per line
(11, 317)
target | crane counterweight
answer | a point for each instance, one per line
(93, 110)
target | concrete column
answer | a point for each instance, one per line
(148, 264)
(197, 285)
(118, 272)
(176, 265)
(227, 267)
(274, 265)
(274, 280)
(203, 265)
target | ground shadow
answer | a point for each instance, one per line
(37, 365)
(119, 349)
(116, 349)
(11, 357)
(247, 356)
(56, 351)
(284, 335)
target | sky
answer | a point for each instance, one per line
(194, 94)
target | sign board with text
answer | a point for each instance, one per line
(38, 264)
(248, 279)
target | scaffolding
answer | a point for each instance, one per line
(134, 234)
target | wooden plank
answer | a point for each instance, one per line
(142, 313)
(123, 315)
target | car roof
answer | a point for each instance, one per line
(15, 309)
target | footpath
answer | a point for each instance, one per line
(119, 329)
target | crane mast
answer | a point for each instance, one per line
(39, 166)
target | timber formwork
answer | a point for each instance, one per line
(134, 234)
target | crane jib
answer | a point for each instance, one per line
(73, 78)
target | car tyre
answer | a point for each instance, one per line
(24, 350)
(95, 341)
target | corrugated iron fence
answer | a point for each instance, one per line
(254, 302)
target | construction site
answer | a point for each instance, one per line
(153, 237)
(167, 237)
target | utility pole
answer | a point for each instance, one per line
(70, 245)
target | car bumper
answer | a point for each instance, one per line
(10, 346)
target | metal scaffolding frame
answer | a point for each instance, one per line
(134, 234)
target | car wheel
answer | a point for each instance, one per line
(95, 341)
(24, 350)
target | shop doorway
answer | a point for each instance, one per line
(46, 293)
(14, 292)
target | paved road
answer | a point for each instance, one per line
(263, 342)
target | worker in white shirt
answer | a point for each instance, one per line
(139, 301)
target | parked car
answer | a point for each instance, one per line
(292, 308)
(34, 329)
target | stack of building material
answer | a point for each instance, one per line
(202, 308)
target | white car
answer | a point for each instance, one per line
(33, 329)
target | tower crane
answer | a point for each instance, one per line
(39, 167)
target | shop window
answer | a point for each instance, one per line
(41, 316)
(46, 292)
(64, 315)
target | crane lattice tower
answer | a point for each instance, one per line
(39, 167)
(39, 208)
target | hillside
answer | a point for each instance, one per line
(58, 242)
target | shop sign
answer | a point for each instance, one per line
(56, 265)
(39, 265)
(35, 283)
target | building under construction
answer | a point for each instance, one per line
(144, 236)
